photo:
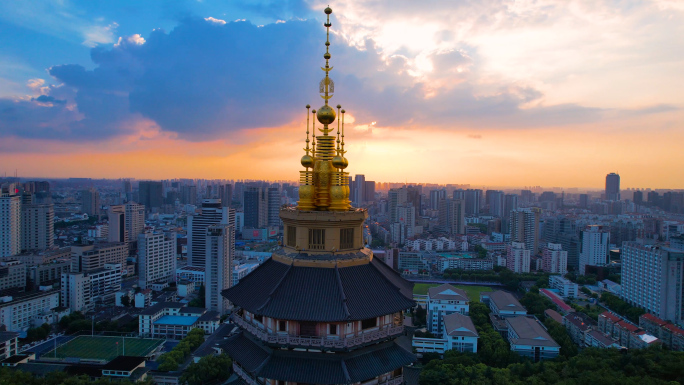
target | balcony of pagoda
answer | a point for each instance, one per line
(310, 336)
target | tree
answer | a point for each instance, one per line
(208, 369)
(125, 300)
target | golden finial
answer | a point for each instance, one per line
(313, 137)
(338, 160)
(326, 115)
(307, 160)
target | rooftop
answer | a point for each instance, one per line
(529, 332)
(447, 292)
(177, 320)
(558, 301)
(605, 340)
(456, 324)
(610, 316)
(505, 301)
(124, 363)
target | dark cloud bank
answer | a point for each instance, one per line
(203, 80)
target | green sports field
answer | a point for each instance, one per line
(472, 291)
(104, 348)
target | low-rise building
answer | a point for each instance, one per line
(596, 339)
(12, 274)
(18, 310)
(190, 273)
(143, 298)
(9, 342)
(669, 334)
(557, 300)
(171, 320)
(459, 333)
(442, 300)
(529, 338)
(566, 288)
(578, 325)
(607, 321)
(503, 304)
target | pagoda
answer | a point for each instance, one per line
(322, 310)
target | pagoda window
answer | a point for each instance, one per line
(259, 318)
(307, 329)
(333, 329)
(317, 239)
(282, 326)
(346, 238)
(291, 236)
(369, 323)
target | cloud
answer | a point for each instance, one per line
(48, 99)
(474, 136)
(206, 79)
(97, 34)
(215, 21)
(35, 83)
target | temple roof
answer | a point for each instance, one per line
(317, 368)
(339, 294)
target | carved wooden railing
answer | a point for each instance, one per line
(322, 342)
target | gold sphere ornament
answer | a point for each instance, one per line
(307, 161)
(340, 162)
(325, 115)
(328, 10)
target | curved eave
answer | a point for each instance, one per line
(317, 368)
(300, 293)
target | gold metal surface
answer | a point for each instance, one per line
(326, 186)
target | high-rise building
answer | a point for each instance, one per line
(188, 195)
(638, 197)
(75, 291)
(359, 190)
(150, 194)
(134, 220)
(584, 201)
(90, 202)
(128, 190)
(81, 291)
(12, 274)
(526, 196)
(435, 197)
(473, 201)
(613, 187)
(510, 204)
(10, 224)
(212, 213)
(496, 203)
(518, 258)
(117, 224)
(37, 227)
(225, 194)
(396, 197)
(452, 216)
(218, 272)
(525, 227)
(92, 257)
(369, 191)
(406, 216)
(256, 207)
(554, 259)
(321, 310)
(273, 207)
(594, 247)
(652, 277)
(156, 258)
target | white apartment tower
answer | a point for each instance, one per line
(156, 258)
(518, 258)
(134, 220)
(10, 224)
(212, 214)
(37, 227)
(76, 293)
(218, 272)
(555, 259)
(525, 227)
(653, 278)
(593, 247)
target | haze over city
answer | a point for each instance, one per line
(496, 93)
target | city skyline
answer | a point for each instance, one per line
(482, 96)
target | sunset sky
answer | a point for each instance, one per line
(486, 92)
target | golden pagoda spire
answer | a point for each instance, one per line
(326, 187)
